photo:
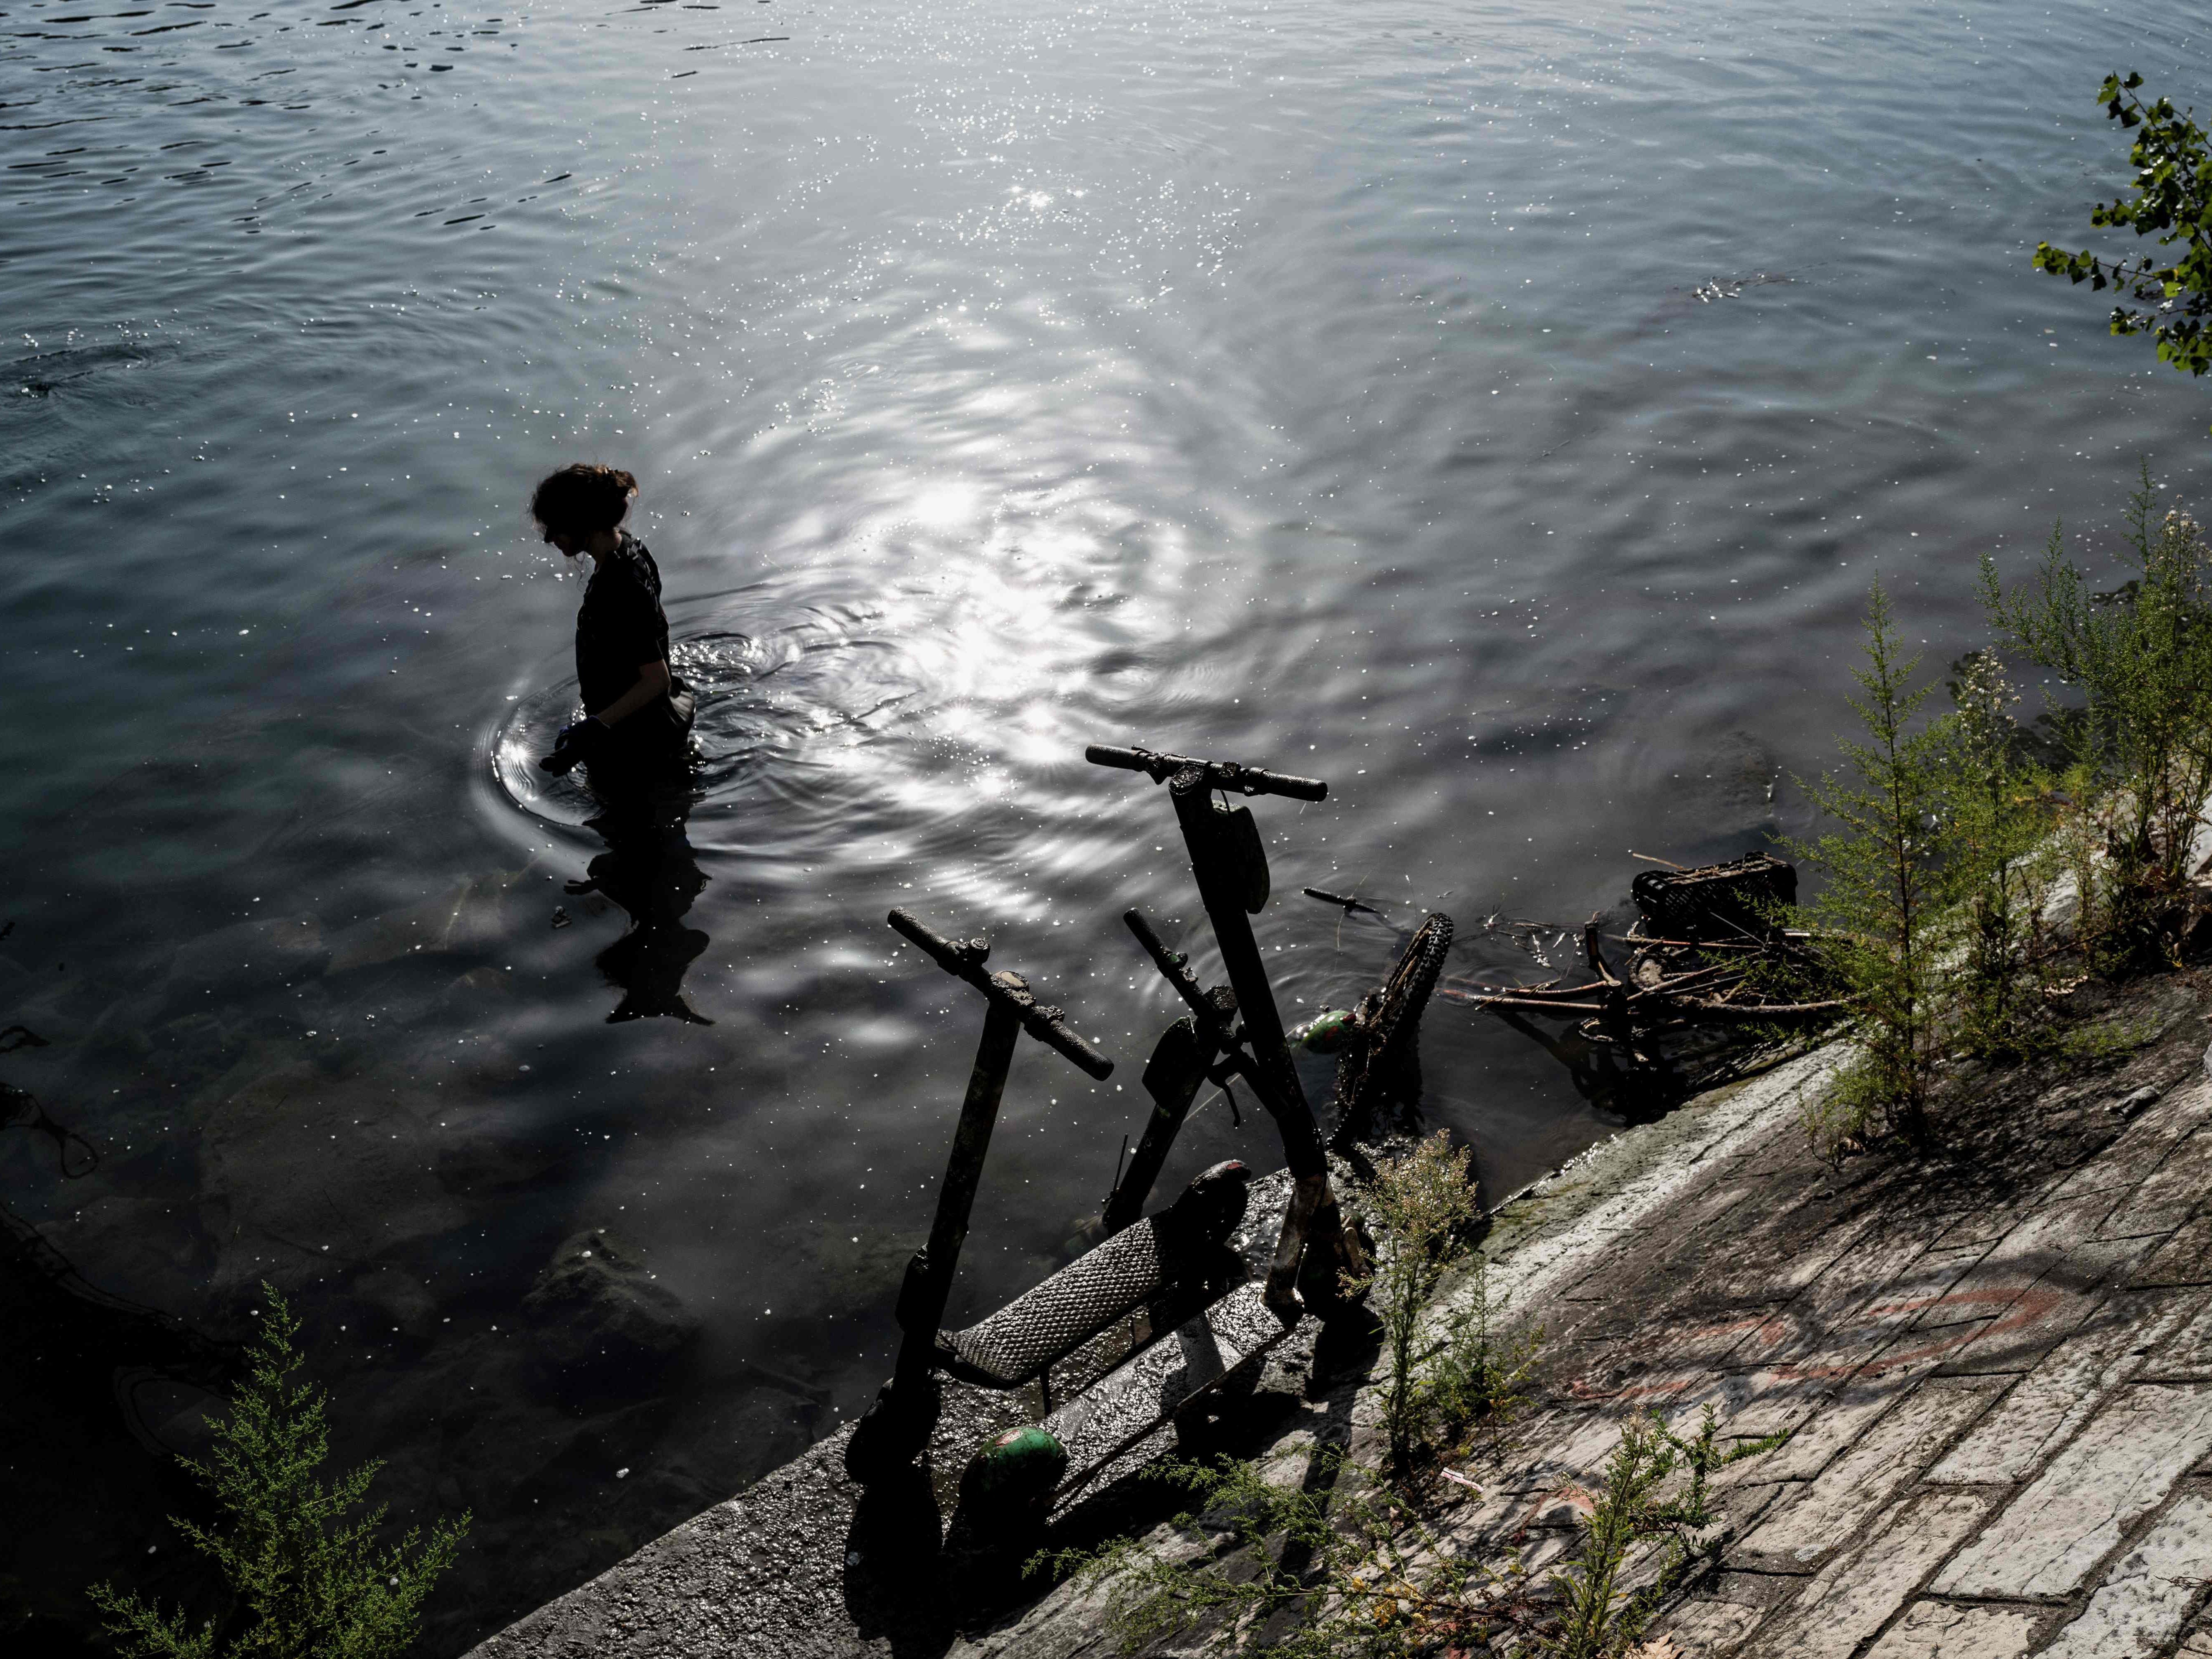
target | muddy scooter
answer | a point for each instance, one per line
(897, 1425)
(1230, 866)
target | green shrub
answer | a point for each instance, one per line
(298, 1580)
(1890, 893)
(2136, 721)
(1599, 1617)
(1998, 829)
(1351, 1568)
(1474, 1376)
(1427, 1201)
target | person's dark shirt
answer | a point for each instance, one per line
(620, 626)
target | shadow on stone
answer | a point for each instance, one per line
(894, 1584)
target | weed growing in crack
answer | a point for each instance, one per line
(1333, 1567)
(1341, 1565)
(1474, 1376)
(1600, 1615)
(1426, 1202)
(1998, 829)
(1889, 888)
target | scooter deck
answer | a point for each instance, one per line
(1049, 1321)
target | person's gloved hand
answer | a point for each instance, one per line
(574, 743)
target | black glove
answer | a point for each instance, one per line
(575, 743)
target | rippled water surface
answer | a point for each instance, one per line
(1496, 411)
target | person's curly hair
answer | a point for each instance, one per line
(583, 496)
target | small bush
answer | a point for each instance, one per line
(1474, 1376)
(2135, 666)
(298, 1580)
(1998, 829)
(1351, 1568)
(1600, 1617)
(1426, 1202)
(1881, 915)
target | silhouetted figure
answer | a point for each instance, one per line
(634, 742)
(637, 727)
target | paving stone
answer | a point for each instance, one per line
(2047, 1256)
(2120, 1467)
(1855, 1595)
(2051, 1310)
(1652, 1291)
(2129, 1159)
(2148, 1595)
(1853, 1488)
(1940, 1307)
(1577, 1446)
(1932, 1630)
(2187, 1354)
(1695, 1347)
(2045, 1407)
(1712, 1630)
(2184, 1259)
(1825, 1314)
(1554, 1261)
(2171, 1196)
(1837, 1416)
(1774, 1262)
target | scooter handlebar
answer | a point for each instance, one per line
(1221, 775)
(964, 960)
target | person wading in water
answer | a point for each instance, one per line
(634, 742)
(636, 729)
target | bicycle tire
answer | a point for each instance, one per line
(1381, 1065)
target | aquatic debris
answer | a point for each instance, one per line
(1381, 1064)
(1731, 287)
(604, 1328)
(1349, 900)
(1705, 946)
(43, 373)
(77, 1156)
(561, 916)
(1325, 1032)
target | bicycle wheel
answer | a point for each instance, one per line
(1381, 1065)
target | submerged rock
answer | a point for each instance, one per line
(603, 1325)
(396, 1304)
(469, 916)
(247, 958)
(303, 1173)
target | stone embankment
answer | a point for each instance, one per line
(1994, 1359)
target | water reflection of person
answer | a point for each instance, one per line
(650, 870)
(634, 742)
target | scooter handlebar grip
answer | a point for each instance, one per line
(1140, 925)
(1058, 1037)
(952, 956)
(1282, 783)
(1101, 754)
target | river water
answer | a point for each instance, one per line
(1496, 410)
